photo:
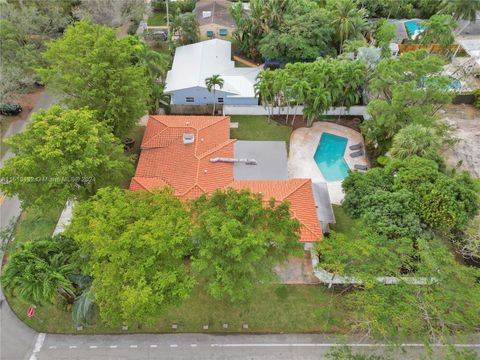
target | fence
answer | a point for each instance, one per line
(433, 48)
(195, 109)
(326, 277)
(260, 110)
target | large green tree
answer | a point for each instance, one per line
(438, 30)
(134, 244)
(185, 26)
(409, 90)
(63, 154)
(300, 37)
(238, 240)
(442, 202)
(445, 307)
(24, 29)
(40, 270)
(90, 67)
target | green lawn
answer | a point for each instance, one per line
(273, 308)
(344, 223)
(258, 128)
(157, 19)
(34, 224)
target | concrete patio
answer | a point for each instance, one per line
(304, 143)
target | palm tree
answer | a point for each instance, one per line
(299, 90)
(40, 270)
(160, 99)
(347, 20)
(461, 10)
(211, 82)
(417, 140)
(264, 88)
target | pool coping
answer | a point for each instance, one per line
(303, 145)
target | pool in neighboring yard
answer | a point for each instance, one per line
(413, 28)
(329, 157)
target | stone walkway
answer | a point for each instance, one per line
(304, 143)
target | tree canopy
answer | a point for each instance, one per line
(24, 31)
(238, 240)
(409, 90)
(441, 201)
(62, 154)
(134, 245)
(90, 67)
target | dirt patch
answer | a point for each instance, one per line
(27, 101)
(465, 123)
(297, 270)
(352, 122)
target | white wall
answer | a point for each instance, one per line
(202, 97)
(261, 110)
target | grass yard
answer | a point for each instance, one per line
(258, 128)
(33, 224)
(157, 19)
(273, 308)
(344, 223)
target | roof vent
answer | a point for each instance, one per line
(188, 138)
(234, 160)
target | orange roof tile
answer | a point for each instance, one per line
(166, 161)
(298, 192)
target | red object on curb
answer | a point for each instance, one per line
(31, 311)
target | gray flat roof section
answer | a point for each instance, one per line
(271, 159)
(322, 203)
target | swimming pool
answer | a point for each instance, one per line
(413, 28)
(329, 157)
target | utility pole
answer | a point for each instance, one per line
(168, 19)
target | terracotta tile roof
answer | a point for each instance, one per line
(166, 161)
(298, 192)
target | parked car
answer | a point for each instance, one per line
(10, 109)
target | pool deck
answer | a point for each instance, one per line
(303, 144)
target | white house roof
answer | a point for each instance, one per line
(194, 63)
(472, 47)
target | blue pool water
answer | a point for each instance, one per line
(413, 27)
(329, 157)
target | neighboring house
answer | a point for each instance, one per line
(195, 155)
(214, 19)
(194, 63)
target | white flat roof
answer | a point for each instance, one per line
(194, 63)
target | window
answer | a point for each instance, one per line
(189, 99)
(220, 100)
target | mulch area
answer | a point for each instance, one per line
(352, 122)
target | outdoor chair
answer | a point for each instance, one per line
(356, 146)
(356, 154)
(210, 34)
(360, 167)
(223, 32)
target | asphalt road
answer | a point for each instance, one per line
(16, 339)
(202, 346)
